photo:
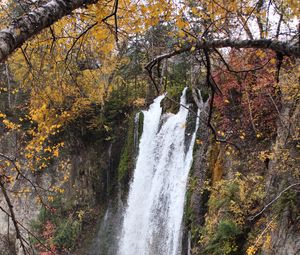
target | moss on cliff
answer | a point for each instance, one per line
(129, 150)
(127, 157)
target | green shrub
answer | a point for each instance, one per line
(56, 226)
(231, 203)
(127, 155)
(66, 233)
(224, 240)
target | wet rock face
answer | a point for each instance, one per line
(92, 182)
(93, 173)
(286, 240)
(211, 163)
(195, 209)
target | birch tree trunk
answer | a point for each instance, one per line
(30, 24)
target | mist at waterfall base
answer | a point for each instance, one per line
(152, 220)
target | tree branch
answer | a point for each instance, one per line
(274, 200)
(12, 214)
(284, 48)
(214, 88)
(239, 71)
(28, 25)
(19, 173)
(78, 37)
(113, 14)
(28, 231)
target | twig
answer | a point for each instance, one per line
(113, 14)
(240, 71)
(53, 38)
(274, 200)
(26, 58)
(20, 173)
(263, 232)
(149, 70)
(279, 57)
(184, 106)
(24, 177)
(213, 86)
(278, 26)
(12, 214)
(28, 231)
(78, 37)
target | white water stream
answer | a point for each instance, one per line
(153, 218)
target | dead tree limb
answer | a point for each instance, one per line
(285, 48)
(240, 71)
(273, 201)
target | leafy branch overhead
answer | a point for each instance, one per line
(30, 24)
(73, 74)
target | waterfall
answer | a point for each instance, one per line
(153, 218)
(136, 132)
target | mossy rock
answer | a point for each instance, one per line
(129, 151)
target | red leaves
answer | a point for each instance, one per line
(249, 103)
(48, 231)
(47, 234)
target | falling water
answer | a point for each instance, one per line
(136, 133)
(152, 221)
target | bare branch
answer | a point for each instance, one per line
(113, 14)
(214, 88)
(259, 5)
(245, 26)
(274, 200)
(36, 187)
(78, 37)
(240, 71)
(284, 48)
(278, 26)
(28, 231)
(12, 214)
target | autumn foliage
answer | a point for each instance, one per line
(77, 82)
(250, 97)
